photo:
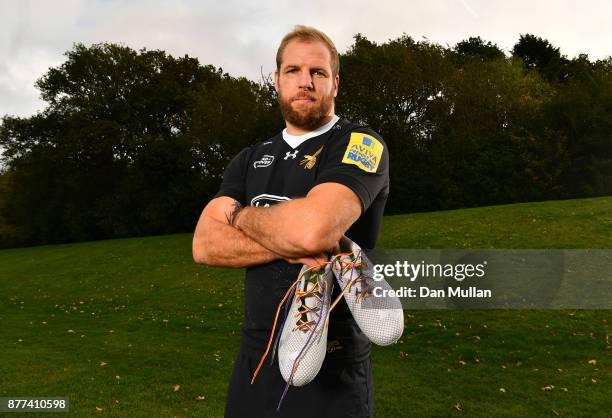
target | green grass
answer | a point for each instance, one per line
(579, 223)
(116, 324)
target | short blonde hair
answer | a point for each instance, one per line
(309, 34)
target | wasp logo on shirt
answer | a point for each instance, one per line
(309, 161)
(364, 151)
(265, 161)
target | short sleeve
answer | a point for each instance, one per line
(360, 161)
(234, 177)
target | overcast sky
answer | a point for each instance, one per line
(242, 36)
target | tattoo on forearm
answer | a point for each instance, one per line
(233, 215)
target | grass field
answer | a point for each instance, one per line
(133, 328)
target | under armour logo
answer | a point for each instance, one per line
(289, 154)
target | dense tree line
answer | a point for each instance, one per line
(135, 142)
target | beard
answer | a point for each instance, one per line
(310, 118)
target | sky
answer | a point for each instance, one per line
(242, 36)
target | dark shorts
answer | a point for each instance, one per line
(342, 388)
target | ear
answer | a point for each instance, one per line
(276, 83)
(336, 84)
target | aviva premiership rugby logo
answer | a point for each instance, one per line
(364, 151)
(265, 161)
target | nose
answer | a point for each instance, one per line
(305, 80)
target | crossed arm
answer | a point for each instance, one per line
(298, 230)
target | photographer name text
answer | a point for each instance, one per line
(426, 292)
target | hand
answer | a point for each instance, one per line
(316, 260)
(335, 250)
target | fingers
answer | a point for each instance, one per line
(315, 261)
(321, 258)
(308, 261)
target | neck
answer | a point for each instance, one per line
(295, 130)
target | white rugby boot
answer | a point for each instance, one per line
(380, 318)
(303, 340)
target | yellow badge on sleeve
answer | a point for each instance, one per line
(364, 151)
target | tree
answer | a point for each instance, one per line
(135, 142)
(539, 54)
(476, 48)
(129, 144)
(393, 87)
(581, 117)
(461, 132)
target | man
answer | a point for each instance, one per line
(286, 202)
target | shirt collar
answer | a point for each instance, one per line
(295, 141)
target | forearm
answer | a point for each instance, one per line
(291, 229)
(220, 244)
(229, 235)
